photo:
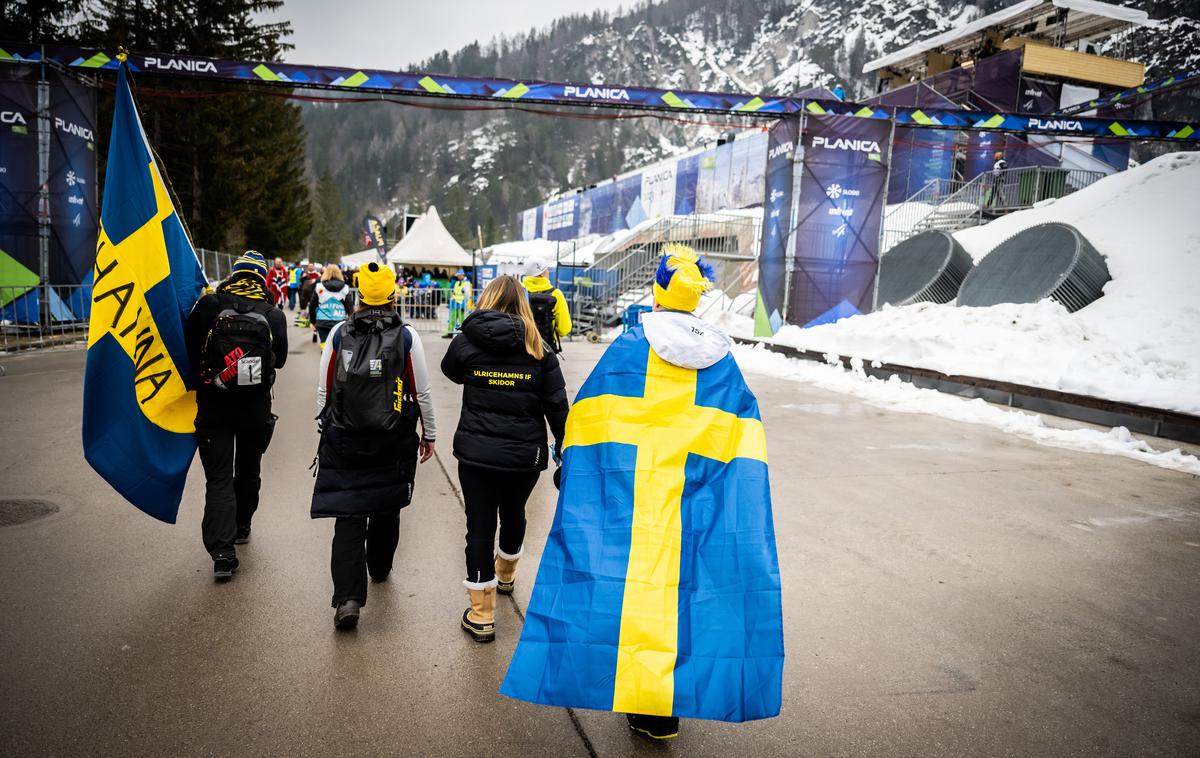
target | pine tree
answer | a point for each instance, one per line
(236, 161)
(330, 237)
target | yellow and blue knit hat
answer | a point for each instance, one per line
(376, 284)
(253, 262)
(681, 278)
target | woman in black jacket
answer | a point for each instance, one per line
(512, 386)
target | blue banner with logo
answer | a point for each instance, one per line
(776, 227)
(918, 157)
(19, 247)
(838, 215)
(72, 179)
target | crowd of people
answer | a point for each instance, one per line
(376, 418)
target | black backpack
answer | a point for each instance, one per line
(238, 355)
(368, 381)
(542, 305)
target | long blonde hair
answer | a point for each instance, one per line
(332, 272)
(505, 294)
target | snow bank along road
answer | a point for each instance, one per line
(1139, 343)
(949, 589)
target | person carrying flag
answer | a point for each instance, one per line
(658, 592)
(460, 303)
(236, 340)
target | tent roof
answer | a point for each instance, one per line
(429, 244)
(361, 258)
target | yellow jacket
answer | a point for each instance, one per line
(562, 314)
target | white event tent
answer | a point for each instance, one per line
(429, 244)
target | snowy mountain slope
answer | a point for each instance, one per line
(383, 155)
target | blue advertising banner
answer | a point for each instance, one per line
(687, 170)
(991, 91)
(918, 157)
(838, 215)
(72, 179)
(981, 153)
(776, 227)
(18, 180)
(562, 218)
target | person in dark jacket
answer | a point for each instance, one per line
(512, 386)
(233, 427)
(365, 475)
(329, 303)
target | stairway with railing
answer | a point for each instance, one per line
(623, 275)
(950, 205)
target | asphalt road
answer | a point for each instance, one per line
(948, 590)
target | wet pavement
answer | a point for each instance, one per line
(948, 590)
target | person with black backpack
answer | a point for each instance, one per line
(512, 386)
(236, 340)
(549, 307)
(372, 390)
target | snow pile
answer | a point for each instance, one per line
(900, 396)
(1140, 343)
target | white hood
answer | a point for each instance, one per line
(684, 340)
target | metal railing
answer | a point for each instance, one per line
(950, 205)
(43, 315)
(217, 265)
(623, 274)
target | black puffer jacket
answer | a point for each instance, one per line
(508, 396)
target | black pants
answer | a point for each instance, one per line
(489, 493)
(231, 454)
(361, 544)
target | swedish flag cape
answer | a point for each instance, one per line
(658, 591)
(139, 412)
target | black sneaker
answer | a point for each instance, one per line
(224, 568)
(654, 727)
(346, 615)
(380, 578)
(243, 535)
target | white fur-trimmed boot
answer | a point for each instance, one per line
(506, 570)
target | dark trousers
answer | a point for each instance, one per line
(361, 544)
(323, 333)
(232, 458)
(489, 494)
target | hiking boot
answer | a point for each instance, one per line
(506, 574)
(346, 615)
(224, 568)
(479, 620)
(654, 727)
(243, 535)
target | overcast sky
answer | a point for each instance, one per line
(392, 34)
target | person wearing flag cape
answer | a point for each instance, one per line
(658, 593)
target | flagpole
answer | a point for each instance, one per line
(122, 55)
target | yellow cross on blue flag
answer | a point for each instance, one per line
(139, 411)
(658, 592)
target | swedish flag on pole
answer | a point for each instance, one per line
(658, 592)
(138, 410)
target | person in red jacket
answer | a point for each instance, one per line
(277, 283)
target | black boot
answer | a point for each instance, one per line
(654, 727)
(346, 616)
(224, 568)
(243, 535)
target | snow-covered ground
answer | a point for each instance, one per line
(896, 395)
(1140, 343)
